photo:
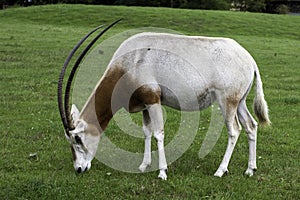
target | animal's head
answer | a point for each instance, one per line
(83, 137)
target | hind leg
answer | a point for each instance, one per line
(229, 110)
(250, 126)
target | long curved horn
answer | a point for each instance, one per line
(65, 112)
(61, 78)
(75, 67)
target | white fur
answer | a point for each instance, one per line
(191, 73)
(85, 152)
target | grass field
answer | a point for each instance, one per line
(35, 156)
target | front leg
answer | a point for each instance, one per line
(148, 134)
(147, 155)
(157, 123)
(162, 162)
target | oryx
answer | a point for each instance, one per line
(149, 70)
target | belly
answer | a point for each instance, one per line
(187, 99)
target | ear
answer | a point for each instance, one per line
(81, 126)
(74, 113)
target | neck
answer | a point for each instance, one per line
(98, 109)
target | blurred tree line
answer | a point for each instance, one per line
(241, 5)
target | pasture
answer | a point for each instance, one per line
(36, 158)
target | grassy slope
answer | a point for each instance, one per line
(34, 42)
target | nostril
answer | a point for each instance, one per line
(79, 170)
(86, 169)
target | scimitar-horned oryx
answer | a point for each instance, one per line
(147, 65)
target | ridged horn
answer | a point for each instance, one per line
(64, 108)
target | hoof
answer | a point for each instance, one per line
(144, 166)
(250, 172)
(163, 174)
(221, 172)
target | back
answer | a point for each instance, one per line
(204, 58)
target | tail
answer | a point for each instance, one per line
(260, 104)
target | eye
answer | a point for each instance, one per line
(78, 140)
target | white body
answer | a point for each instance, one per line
(204, 64)
(187, 73)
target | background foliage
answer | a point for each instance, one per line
(242, 5)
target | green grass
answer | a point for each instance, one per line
(34, 42)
